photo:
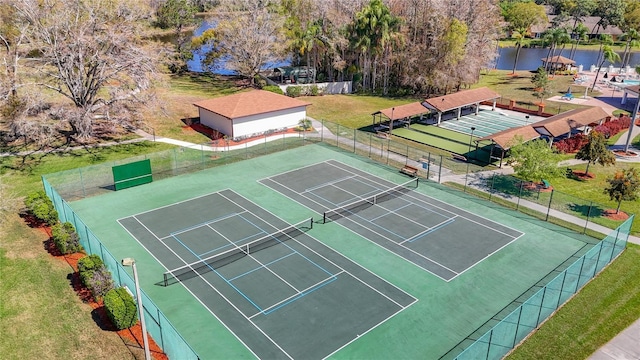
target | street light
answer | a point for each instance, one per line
(471, 138)
(391, 123)
(131, 262)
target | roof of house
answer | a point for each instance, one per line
(249, 103)
(558, 60)
(403, 111)
(504, 138)
(563, 123)
(590, 22)
(634, 89)
(461, 98)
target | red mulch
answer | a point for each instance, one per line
(532, 186)
(132, 337)
(581, 175)
(611, 214)
(623, 153)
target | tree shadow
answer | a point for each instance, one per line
(586, 210)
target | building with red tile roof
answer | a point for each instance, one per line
(251, 113)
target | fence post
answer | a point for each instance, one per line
(586, 224)
(493, 180)
(370, 144)
(466, 175)
(489, 344)
(515, 333)
(440, 169)
(519, 195)
(549, 206)
(355, 133)
(338, 136)
(84, 192)
(321, 132)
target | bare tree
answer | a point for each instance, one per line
(248, 37)
(91, 54)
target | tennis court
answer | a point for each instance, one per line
(279, 290)
(435, 236)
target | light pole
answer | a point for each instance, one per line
(131, 262)
(470, 139)
(391, 122)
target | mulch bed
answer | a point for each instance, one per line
(625, 154)
(612, 215)
(533, 186)
(131, 337)
(582, 175)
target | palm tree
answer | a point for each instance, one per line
(580, 32)
(607, 55)
(554, 37)
(605, 40)
(631, 38)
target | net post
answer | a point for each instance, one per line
(324, 217)
(166, 283)
(311, 223)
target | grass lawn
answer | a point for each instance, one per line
(353, 111)
(606, 306)
(41, 316)
(519, 87)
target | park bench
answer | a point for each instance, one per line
(459, 157)
(409, 170)
(545, 184)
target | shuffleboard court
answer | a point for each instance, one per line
(276, 288)
(440, 238)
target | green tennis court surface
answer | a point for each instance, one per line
(437, 237)
(278, 289)
(445, 313)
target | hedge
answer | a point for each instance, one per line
(121, 308)
(41, 207)
(95, 276)
(66, 238)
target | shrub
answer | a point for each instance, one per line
(313, 90)
(95, 276)
(259, 81)
(571, 144)
(41, 207)
(273, 89)
(65, 238)
(121, 308)
(294, 91)
(89, 263)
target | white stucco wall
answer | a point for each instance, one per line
(258, 124)
(254, 124)
(215, 121)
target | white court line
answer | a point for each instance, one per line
(437, 202)
(429, 230)
(337, 266)
(221, 295)
(175, 203)
(330, 183)
(370, 240)
(301, 292)
(206, 223)
(189, 290)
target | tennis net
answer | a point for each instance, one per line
(363, 203)
(216, 261)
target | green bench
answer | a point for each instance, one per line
(545, 184)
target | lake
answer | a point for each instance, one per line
(530, 58)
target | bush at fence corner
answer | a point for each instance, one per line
(121, 308)
(95, 276)
(39, 204)
(65, 237)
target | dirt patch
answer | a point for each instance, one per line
(582, 175)
(613, 215)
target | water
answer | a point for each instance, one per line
(195, 64)
(530, 58)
